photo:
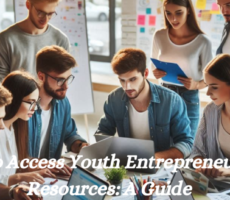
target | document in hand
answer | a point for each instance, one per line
(172, 69)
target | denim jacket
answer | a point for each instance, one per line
(168, 120)
(63, 130)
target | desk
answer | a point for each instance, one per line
(100, 173)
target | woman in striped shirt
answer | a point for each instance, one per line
(213, 135)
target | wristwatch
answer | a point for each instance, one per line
(11, 191)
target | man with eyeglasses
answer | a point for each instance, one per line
(21, 41)
(52, 125)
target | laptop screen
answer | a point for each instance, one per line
(82, 177)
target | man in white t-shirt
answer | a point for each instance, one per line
(51, 125)
(142, 110)
(224, 46)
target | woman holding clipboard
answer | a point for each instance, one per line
(183, 42)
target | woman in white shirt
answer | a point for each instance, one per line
(14, 133)
(183, 42)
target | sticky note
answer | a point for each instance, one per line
(201, 4)
(148, 11)
(215, 9)
(206, 15)
(152, 20)
(215, 6)
(142, 29)
(141, 20)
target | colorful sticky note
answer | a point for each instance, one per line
(141, 20)
(148, 11)
(206, 15)
(201, 4)
(215, 6)
(152, 20)
(215, 9)
(142, 29)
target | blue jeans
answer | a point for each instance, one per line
(191, 99)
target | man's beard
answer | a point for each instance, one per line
(141, 88)
(53, 93)
(34, 22)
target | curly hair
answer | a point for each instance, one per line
(5, 96)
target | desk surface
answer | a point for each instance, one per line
(100, 174)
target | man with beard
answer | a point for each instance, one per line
(142, 110)
(224, 46)
(52, 125)
(21, 41)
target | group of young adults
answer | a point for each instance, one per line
(35, 115)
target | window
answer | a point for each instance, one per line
(6, 14)
(9, 6)
(104, 28)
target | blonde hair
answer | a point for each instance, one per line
(38, 1)
(5, 96)
(191, 20)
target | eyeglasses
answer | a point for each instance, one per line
(61, 81)
(33, 104)
(42, 14)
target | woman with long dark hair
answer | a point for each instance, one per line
(14, 133)
(183, 42)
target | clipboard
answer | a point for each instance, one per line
(172, 69)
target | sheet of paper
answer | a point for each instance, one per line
(59, 184)
(218, 196)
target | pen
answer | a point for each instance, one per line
(138, 185)
(136, 191)
(141, 180)
(53, 182)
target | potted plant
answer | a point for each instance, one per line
(115, 177)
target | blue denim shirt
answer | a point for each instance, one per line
(63, 130)
(168, 120)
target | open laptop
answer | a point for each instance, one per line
(122, 147)
(101, 136)
(80, 177)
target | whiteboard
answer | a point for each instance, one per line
(71, 20)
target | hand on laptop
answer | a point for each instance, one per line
(46, 173)
(78, 145)
(66, 170)
(214, 172)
